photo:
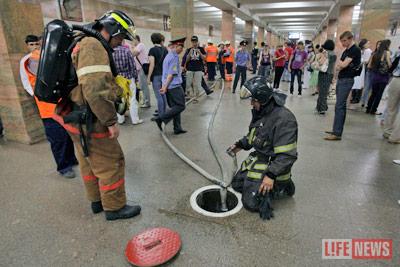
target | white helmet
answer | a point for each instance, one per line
(209, 41)
(227, 42)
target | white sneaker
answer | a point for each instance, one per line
(137, 122)
(298, 95)
(396, 161)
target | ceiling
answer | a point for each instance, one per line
(280, 16)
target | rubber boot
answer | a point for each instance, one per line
(125, 213)
(97, 207)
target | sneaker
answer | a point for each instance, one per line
(125, 213)
(180, 132)
(145, 106)
(332, 137)
(396, 142)
(386, 135)
(137, 122)
(299, 95)
(97, 207)
(397, 161)
(69, 174)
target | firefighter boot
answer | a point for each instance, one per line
(97, 207)
(125, 213)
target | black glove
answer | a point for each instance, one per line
(265, 208)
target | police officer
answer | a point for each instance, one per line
(273, 136)
(103, 169)
(172, 87)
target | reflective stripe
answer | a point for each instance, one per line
(283, 177)
(88, 178)
(120, 20)
(254, 175)
(112, 186)
(93, 69)
(285, 148)
(73, 130)
(260, 167)
(251, 137)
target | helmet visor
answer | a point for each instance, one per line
(130, 33)
(244, 93)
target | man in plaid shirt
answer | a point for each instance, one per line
(125, 65)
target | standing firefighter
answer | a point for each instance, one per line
(101, 160)
(273, 136)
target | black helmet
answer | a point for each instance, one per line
(116, 22)
(258, 89)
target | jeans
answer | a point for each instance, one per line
(264, 70)
(161, 99)
(278, 76)
(295, 73)
(61, 145)
(367, 87)
(193, 83)
(240, 71)
(254, 64)
(391, 128)
(144, 87)
(376, 96)
(211, 71)
(343, 89)
(176, 102)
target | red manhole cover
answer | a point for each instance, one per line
(153, 247)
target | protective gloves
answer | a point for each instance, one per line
(265, 208)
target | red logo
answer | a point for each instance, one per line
(366, 249)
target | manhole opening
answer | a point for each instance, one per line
(210, 200)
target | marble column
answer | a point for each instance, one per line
(181, 13)
(269, 38)
(324, 34)
(260, 36)
(332, 27)
(375, 20)
(345, 20)
(228, 27)
(249, 33)
(18, 111)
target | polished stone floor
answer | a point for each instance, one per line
(346, 189)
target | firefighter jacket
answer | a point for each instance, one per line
(273, 136)
(96, 84)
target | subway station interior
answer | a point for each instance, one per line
(264, 134)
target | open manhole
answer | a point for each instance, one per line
(207, 201)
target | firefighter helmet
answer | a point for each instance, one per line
(258, 89)
(117, 22)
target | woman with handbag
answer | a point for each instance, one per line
(308, 70)
(326, 67)
(379, 65)
(359, 81)
(313, 85)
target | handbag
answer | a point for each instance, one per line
(383, 67)
(145, 66)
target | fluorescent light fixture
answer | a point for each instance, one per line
(293, 14)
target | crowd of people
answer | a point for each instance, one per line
(175, 79)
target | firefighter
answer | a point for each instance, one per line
(273, 136)
(211, 59)
(101, 162)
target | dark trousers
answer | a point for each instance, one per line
(324, 84)
(211, 70)
(278, 76)
(61, 145)
(176, 102)
(295, 73)
(240, 71)
(254, 64)
(343, 89)
(222, 70)
(376, 96)
(229, 67)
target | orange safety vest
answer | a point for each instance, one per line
(231, 57)
(46, 110)
(212, 53)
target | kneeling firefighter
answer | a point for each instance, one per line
(89, 112)
(266, 173)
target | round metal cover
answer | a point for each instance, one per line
(153, 247)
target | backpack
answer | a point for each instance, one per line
(56, 76)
